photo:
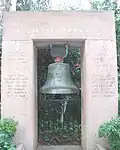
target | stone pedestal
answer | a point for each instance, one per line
(99, 92)
(18, 90)
(94, 32)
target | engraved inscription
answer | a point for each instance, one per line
(17, 56)
(103, 79)
(102, 86)
(50, 29)
(16, 80)
(17, 86)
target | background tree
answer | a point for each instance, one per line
(35, 5)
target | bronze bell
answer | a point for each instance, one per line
(59, 80)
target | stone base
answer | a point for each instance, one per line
(71, 147)
(20, 147)
(99, 147)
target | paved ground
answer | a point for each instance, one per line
(72, 147)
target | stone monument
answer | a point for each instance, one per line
(94, 32)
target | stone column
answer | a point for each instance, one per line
(99, 88)
(18, 91)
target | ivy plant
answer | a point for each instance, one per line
(7, 132)
(111, 131)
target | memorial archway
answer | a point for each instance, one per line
(99, 68)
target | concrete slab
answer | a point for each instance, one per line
(60, 147)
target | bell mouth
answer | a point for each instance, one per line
(59, 91)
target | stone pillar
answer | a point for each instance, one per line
(99, 88)
(18, 91)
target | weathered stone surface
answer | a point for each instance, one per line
(99, 88)
(59, 25)
(20, 147)
(99, 147)
(18, 90)
(71, 147)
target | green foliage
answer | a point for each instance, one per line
(59, 133)
(32, 5)
(73, 59)
(119, 104)
(7, 132)
(111, 131)
(104, 5)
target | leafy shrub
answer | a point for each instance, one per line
(7, 132)
(119, 104)
(111, 131)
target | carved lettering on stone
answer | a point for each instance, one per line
(50, 29)
(16, 80)
(103, 82)
(17, 86)
(102, 86)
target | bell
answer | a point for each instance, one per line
(59, 80)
